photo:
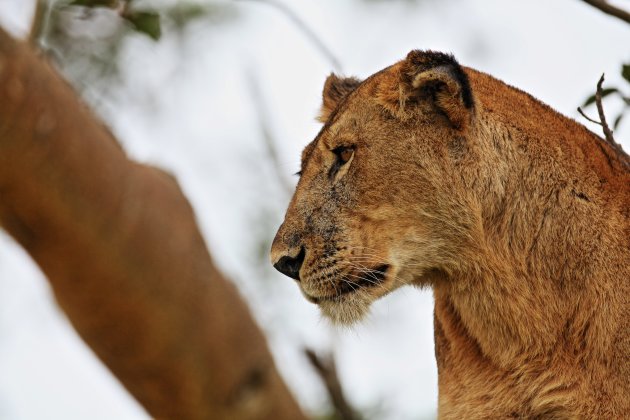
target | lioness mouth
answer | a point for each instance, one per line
(370, 278)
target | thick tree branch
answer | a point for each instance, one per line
(119, 244)
(609, 9)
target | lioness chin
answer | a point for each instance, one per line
(431, 174)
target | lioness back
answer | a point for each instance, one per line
(430, 174)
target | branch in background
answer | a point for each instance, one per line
(306, 30)
(38, 23)
(327, 371)
(602, 117)
(587, 117)
(265, 129)
(608, 134)
(609, 9)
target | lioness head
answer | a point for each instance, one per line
(386, 195)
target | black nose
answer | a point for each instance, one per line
(290, 266)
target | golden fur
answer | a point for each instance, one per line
(516, 216)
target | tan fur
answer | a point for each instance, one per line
(516, 216)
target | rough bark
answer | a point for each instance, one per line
(119, 244)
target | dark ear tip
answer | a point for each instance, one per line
(419, 56)
(419, 61)
(427, 59)
(413, 56)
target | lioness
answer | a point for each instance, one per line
(431, 174)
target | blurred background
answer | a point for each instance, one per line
(223, 94)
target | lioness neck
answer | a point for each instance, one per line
(541, 303)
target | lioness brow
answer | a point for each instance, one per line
(306, 154)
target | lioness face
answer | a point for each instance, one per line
(368, 214)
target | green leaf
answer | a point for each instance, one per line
(589, 100)
(625, 72)
(617, 121)
(605, 92)
(145, 22)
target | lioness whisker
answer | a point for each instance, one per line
(374, 280)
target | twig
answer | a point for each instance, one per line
(609, 9)
(602, 117)
(608, 134)
(265, 128)
(325, 368)
(587, 117)
(38, 23)
(308, 32)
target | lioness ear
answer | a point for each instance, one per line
(438, 78)
(335, 90)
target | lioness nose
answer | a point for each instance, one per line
(290, 266)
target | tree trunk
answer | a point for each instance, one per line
(121, 249)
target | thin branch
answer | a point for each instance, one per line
(602, 117)
(306, 30)
(609, 9)
(327, 371)
(608, 134)
(265, 128)
(587, 117)
(38, 23)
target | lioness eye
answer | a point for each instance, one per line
(344, 154)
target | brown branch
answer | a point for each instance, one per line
(327, 371)
(306, 30)
(609, 9)
(120, 247)
(608, 135)
(587, 117)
